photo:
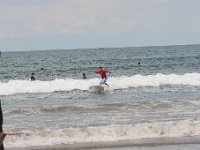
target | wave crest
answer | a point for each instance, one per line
(123, 82)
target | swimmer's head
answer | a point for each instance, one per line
(100, 68)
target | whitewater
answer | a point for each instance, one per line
(123, 82)
(105, 133)
(144, 103)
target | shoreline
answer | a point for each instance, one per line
(155, 142)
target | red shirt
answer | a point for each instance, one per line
(103, 73)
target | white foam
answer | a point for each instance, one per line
(104, 133)
(123, 82)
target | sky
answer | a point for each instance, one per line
(71, 24)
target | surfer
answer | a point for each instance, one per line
(32, 77)
(103, 75)
(84, 76)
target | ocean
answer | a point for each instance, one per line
(157, 99)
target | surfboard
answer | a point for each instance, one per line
(97, 89)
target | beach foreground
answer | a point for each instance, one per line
(184, 143)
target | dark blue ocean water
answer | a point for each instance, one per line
(158, 96)
(122, 61)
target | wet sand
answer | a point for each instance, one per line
(185, 143)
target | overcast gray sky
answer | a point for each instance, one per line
(66, 24)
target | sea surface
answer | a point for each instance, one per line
(158, 98)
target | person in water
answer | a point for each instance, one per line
(103, 75)
(84, 76)
(32, 77)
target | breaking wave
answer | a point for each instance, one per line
(104, 133)
(123, 82)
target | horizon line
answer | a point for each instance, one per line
(97, 48)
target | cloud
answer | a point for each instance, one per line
(68, 17)
(159, 1)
